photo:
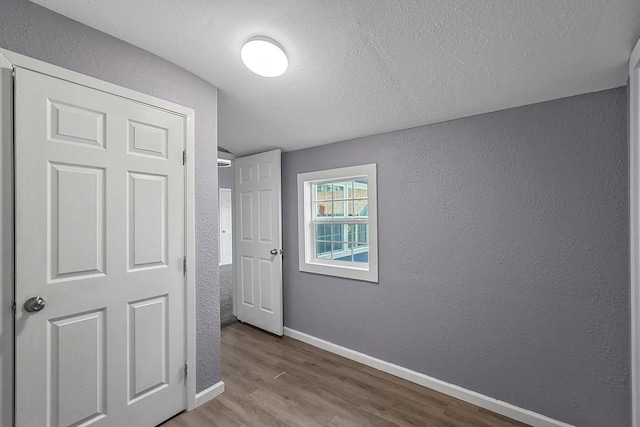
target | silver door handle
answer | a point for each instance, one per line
(34, 304)
(273, 252)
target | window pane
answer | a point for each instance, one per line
(323, 232)
(323, 250)
(323, 209)
(337, 232)
(342, 251)
(339, 209)
(323, 191)
(338, 247)
(342, 190)
(349, 208)
(360, 253)
(359, 233)
(360, 189)
(361, 208)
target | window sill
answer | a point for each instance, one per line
(346, 272)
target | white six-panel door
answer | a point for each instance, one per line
(258, 241)
(100, 237)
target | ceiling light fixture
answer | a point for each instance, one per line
(224, 163)
(264, 57)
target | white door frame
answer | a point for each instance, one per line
(10, 60)
(6, 242)
(634, 240)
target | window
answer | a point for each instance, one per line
(338, 225)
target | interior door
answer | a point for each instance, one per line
(258, 241)
(100, 318)
(226, 230)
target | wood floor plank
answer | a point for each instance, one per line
(272, 382)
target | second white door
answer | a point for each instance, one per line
(258, 242)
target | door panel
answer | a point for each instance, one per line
(259, 272)
(246, 280)
(76, 125)
(147, 140)
(265, 200)
(76, 222)
(78, 372)
(147, 221)
(266, 285)
(246, 215)
(148, 351)
(100, 236)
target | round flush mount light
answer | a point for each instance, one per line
(264, 57)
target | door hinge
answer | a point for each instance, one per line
(184, 266)
(186, 370)
(184, 157)
(13, 306)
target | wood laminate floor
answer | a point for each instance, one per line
(271, 381)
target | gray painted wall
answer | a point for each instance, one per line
(31, 30)
(504, 263)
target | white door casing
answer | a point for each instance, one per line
(258, 240)
(100, 214)
(634, 239)
(6, 243)
(226, 229)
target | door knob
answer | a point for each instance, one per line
(273, 252)
(34, 304)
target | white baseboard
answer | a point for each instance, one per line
(210, 393)
(486, 402)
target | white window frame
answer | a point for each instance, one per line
(306, 232)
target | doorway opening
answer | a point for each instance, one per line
(251, 279)
(225, 239)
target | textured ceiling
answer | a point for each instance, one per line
(361, 67)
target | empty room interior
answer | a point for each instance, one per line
(319, 213)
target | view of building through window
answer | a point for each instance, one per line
(341, 213)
